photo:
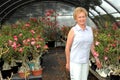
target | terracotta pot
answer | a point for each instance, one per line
(37, 72)
(22, 74)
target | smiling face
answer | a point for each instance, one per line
(81, 18)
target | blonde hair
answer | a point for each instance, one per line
(79, 10)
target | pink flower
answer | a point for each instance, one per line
(18, 45)
(47, 14)
(14, 45)
(114, 45)
(24, 41)
(105, 58)
(33, 42)
(97, 43)
(20, 50)
(20, 34)
(28, 40)
(27, 24)
(38, 46)
(33, 19)
(45, 47)
(15, 38)
(10, 42)
(32, 31)
(95, 54)
(33, 39)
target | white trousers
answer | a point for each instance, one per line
(79, 71)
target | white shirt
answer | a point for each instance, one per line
(80, 50)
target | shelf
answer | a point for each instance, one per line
(97, 75)
(31, 77)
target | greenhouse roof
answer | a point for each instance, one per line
(94, 7)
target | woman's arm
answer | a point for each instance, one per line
(67, 48)
(95, 54)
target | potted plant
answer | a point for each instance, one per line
(51, 30)
(107, 44)
(64, 32)
(23, 39)
(5, 68)
(36, 69)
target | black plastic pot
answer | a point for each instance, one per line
(6, 73)
(51, 43)
(1, 63)
(14, 69)
(93, 66)
(114, 77)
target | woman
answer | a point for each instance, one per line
(78, 46)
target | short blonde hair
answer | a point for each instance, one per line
(79, 10)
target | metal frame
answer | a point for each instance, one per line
(8, 8)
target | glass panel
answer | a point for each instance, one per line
(116, 14)
(64, 9)
(90, 23)
(101, 11)
(115, 3)
(92, 16)
(38, 9)
(66, 20)
(108, 7)
(94, 12)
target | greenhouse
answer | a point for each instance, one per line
(34, 35)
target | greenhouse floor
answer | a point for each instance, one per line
(54, 66)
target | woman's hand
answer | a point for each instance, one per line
(67, 66)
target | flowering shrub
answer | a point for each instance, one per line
(51, 30)
(64, 31)
(25, 38)
(107, 44)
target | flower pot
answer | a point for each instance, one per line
(1, 63)
(37, 72)
(14, 69)
(114, 77)
(93, 66)
(19, 64)
(51, 43)
(23, 74)
(6, 73)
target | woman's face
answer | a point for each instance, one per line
(81, 18)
